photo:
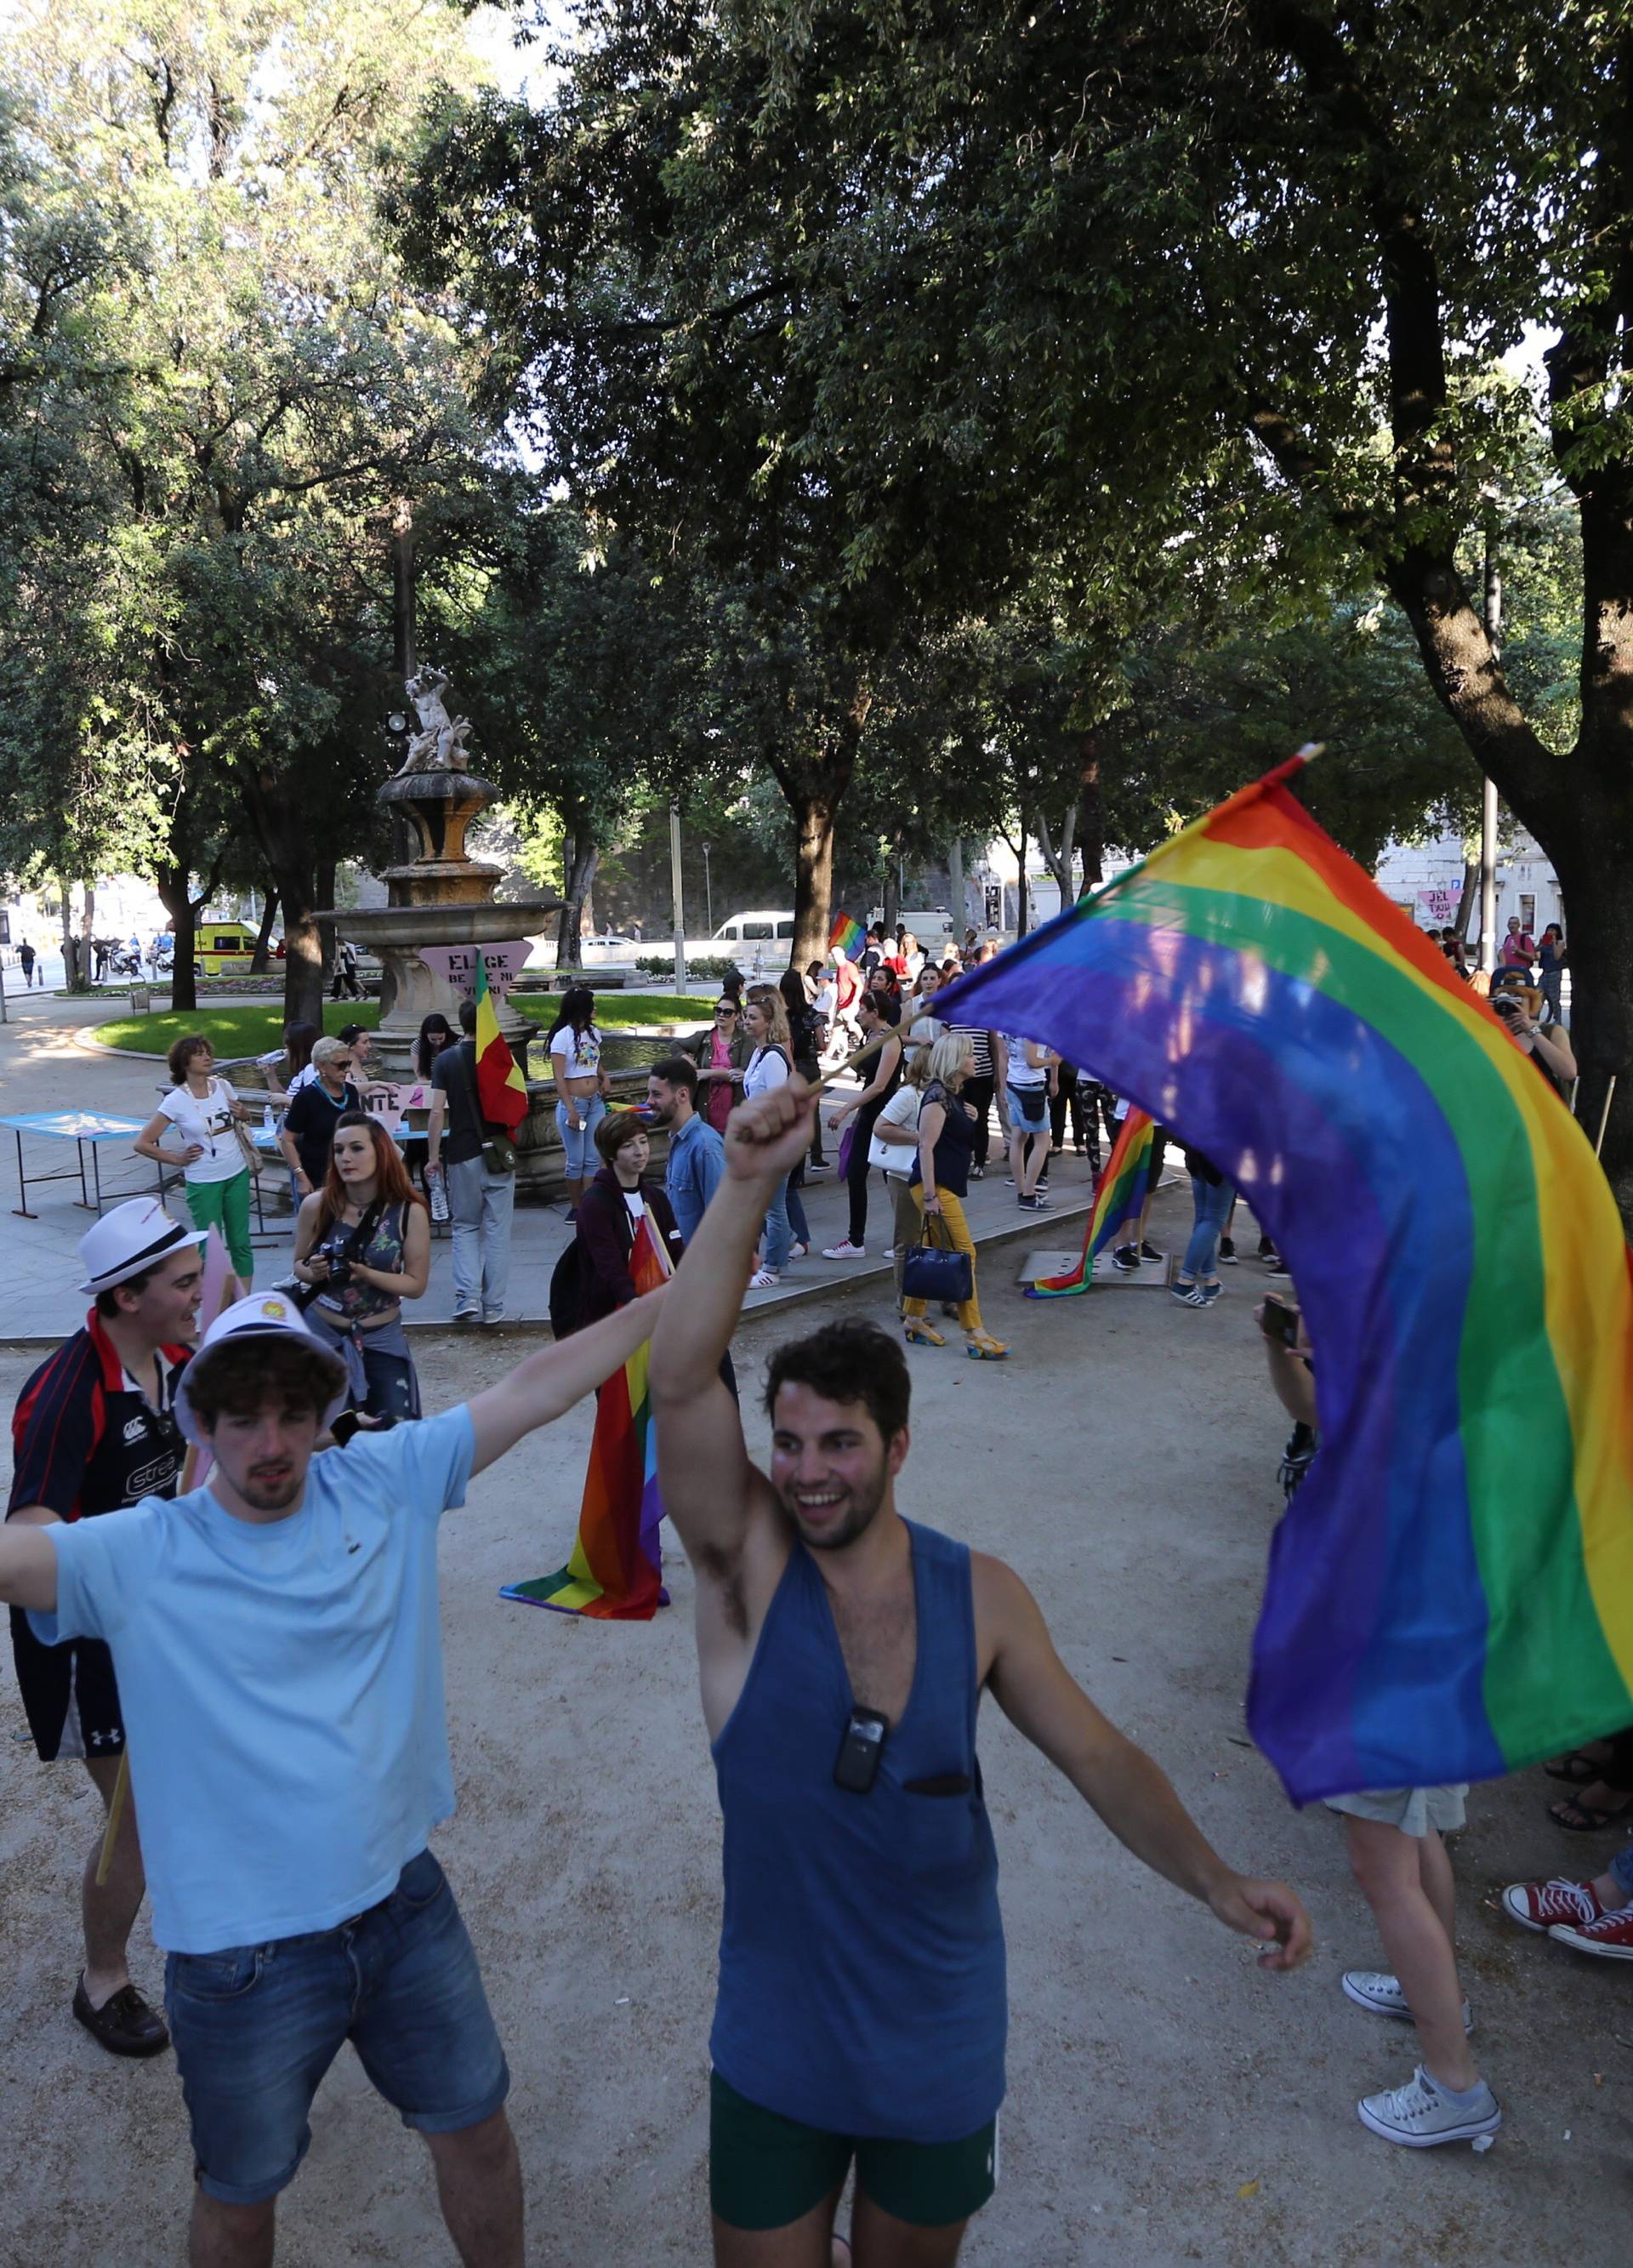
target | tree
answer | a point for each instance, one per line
(210, 361)
(1232, 285)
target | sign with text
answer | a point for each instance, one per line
(457, 964)
(1439, 907)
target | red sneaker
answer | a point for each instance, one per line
(1544, 1905)
(1611, 1936)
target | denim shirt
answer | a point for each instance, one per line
(693, 1173)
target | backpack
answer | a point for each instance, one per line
(568, 1288)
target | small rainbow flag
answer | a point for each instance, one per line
(1451, 1591)
(616, 1572)
(1119, 1199)
(848, 934)
(501, 1089)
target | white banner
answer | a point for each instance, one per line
(457, 964)
(1439, 907)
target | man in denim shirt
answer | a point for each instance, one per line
(696, 1152)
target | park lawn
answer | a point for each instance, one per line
(255, 1031)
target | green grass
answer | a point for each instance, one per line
(235, 1032)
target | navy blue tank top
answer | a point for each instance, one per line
(862, 1980)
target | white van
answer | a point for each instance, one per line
(931, 926)
(753, 929)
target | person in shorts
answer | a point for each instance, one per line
(861, 2013)
(276, 1639)
(1393, 1839)
(94, 1430)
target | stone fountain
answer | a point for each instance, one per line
(442, 896)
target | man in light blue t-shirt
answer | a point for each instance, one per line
(276, 1638)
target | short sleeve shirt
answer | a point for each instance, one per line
(296, 1665)
(454, 1072)
(208, 1121)
(85, 1439)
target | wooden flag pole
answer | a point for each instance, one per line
(1604, 1115)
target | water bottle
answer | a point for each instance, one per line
(438, 1189)
(268, 1121)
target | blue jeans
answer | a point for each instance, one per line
(777, 1232)
(579, 1143)
(256, 2028)
(481, 1204)
(1621, 1871)
(1212, 1209)
(800, 1227)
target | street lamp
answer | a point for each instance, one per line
(709, 896)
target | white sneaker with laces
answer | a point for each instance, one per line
(763, 1278)
(844, 1250)
(1376, 1989)
(1418, 2115)
(1543, 1905)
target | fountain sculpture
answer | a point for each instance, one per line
(442, 896)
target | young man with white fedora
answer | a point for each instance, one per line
(276, 1638)
(94, 1430)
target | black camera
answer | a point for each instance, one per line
(336, 1249)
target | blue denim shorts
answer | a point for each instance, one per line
(1028, 1109)
(582, 1157)
(256, 2028)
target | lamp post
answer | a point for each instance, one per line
(677, 898)
(709, 896)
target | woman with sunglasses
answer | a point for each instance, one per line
(721, 1054)
(308, 1127)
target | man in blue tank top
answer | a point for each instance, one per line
(843, 1651)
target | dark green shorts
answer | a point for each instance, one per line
(766, 2171)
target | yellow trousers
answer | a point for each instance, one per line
(958, 1231)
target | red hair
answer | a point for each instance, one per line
(392, 1185)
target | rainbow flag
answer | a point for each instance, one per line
(1451, 1591)
(1119, 1199)
(848, 934)
(614, 1573)
(501, 1089)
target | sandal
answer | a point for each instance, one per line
(981, 1346)
(1578, 1770)
(1578, 1818)
(919, 1333)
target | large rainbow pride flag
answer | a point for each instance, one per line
(1451, 1591)
(614, 1572)
(1119, 1199)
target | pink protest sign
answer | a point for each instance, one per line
(457, 964)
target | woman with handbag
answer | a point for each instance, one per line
(946, 1142)
(363, 1244)
(215, 1157)
(768, 1066)
(875, 1016)
(895, 1151)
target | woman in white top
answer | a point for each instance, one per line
(1026, 1073)
(203, 1112)
(765, 1020)
(581, 1085)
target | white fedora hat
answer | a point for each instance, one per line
(132, 1237)
(271, 1315)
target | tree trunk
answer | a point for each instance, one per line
(285, 845)
(261, 962)
(958, 891)
(1092, 814)
(174, 886)
(814, 874)
(1057, 855)
(75, 978)
(329, 932)
(580, 858)
(890, 896)
(1468, 898)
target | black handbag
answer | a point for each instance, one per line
(934, 1269)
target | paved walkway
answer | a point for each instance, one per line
(45, 1066)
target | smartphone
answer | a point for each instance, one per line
(1281, 1323)
(857, 1766)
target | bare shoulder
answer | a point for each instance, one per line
(1006, 1613)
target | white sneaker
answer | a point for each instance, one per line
(1376, 1989)
(797, 1251)
(1419, 2115)
(844, 1251)
(763, 1278)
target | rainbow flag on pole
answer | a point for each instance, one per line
(1119, 1199)
(501, 1089)
(1451, 1591)
(615, 1570)
(848, 934)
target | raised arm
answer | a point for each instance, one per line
(28, 1560)
(709, 1489)
(549, 1383)
(1131, 1794)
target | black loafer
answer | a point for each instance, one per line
(125, 2025)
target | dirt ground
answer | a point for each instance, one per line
(1166, 2103)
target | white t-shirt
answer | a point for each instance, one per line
(579, 1052)
(301, 1079)
(209, 1123)
(767, 1068)
(1021, 1073)
(636, 1204)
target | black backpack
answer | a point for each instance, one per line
(569, 1286)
